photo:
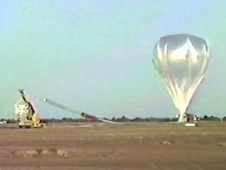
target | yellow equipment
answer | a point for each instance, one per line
(26, 114)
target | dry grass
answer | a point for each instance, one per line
(126, 147)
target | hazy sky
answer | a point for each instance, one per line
(96, 55)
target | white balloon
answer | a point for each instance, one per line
(181, 60)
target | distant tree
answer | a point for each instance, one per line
(137, 119)
(64, 119)
(10, 120)
(165, 120)
(113, 119)
(205, 117)
(214, 118)
(210, 118)
(123, 119)
(174, 119)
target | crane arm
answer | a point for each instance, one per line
(85, 115)
(61, 106)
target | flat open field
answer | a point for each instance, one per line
(166, 146)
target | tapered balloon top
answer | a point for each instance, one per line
(181, 60)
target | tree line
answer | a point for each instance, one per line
(121, 119)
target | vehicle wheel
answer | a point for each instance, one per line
(20, 126)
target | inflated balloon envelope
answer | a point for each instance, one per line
(181, 60)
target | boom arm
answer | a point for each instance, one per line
(85, 115)
(61, 106)
(23, 95)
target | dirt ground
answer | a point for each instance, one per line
(114, 147)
